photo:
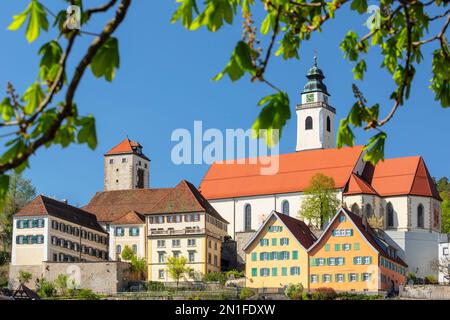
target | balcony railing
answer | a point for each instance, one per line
(170, 232)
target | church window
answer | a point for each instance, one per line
(285, 207)
(328, 124)
(247, 217)
(390, 215)
(308, 123)
(369, 210)
(355, 208)
(420, 216)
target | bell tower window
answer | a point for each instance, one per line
(309, 123)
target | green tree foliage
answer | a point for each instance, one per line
(443, 186)
(399, 38)
(45, 288)
(321, 201)
(127, 253)
(246, 293)
(21, 191)
(61, 284)
(46, 113)
(294, 291)
(24, 277)
(178, 269)
(138, 265)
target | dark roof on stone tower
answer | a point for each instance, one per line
(315, 80)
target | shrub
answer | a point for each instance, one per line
(24, 277)
(3, 279)
(430, 279)
(215, 277)
(4, 256)
(155, 286)
(234, 273)
(87, 294)
(45, 289)
(127, 253)
(294, 291)
(246, 293)
(355, 296)
(324, 294)
(412, 276)
(61, 284)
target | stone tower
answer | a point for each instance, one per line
(315, 117)
(126, 167)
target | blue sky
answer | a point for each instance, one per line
(164, 83)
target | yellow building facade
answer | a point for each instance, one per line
(277, 255)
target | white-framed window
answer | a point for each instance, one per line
(367, 260)
(445, 251)
(321, 261)
(264, 272)
(176, 254)
(191, 242)
(135, 248)
(191, 256)
(332, 261)
(161, 243)
(327, 278)
(161, 257)
(284, 241)
(264, 242)
(295, 271)
(346, 247)
(134, 231)
(358, 260)
(161, 273)
(176, 243)
(118, 249)
(119, 232)
(366, 276)
(352, 277)
(339, 277)
(314, 278)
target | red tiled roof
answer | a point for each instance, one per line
(131, 217)
(369, 234)
(126, 147)
(299, 229)
(356, 185)
(401, 176)
(294, 175)
(43, 205)
(109, 206)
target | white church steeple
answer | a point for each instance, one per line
(315, 117)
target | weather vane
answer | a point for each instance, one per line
(315, 57)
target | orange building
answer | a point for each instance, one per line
(349, 256)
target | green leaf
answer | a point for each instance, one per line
(345, 136)
(240, 62)
(375, 148)
(360, 6)
(107, 60)
(272, 118)
(440, 83)
(185, 12)
(87, 133)
(6, 109)
(37, 20)
(359, 69)
(265, 26)
(49, 66)
(4, 186)
(33, 97)
(215, 14)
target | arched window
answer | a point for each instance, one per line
(135, 248)
(247, 217)
(285, 207)
(118, 249)
(390, 215)
(420, 217)
(369, 210)
(328, 124)
(308, 123)
(355, 209)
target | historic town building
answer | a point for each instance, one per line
(348, 256)
(399, 193)
(157, 223)
(51, 230)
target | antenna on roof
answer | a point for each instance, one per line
(315, 57)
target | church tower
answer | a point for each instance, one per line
(126, 167)
(315, 117)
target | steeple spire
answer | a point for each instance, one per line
(315, 79)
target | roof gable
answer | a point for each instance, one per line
(43, 205)
(401, 176)
(127, 147)
(295, 172)
(131, 217)
(356, 185)
(297, 228)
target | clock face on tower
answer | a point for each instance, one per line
(309, 98)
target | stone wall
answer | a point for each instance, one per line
(242, 238)
(433, 292)
(101, 277)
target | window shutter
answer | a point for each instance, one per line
(370, 260)
(343, 261)
(357, 277)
